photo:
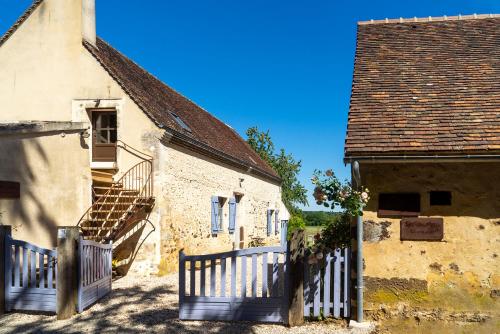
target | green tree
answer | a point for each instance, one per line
(285, 165)
(296, 222)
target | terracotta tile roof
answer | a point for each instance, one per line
(159, 101)
(426, 86)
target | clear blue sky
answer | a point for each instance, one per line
(282, 65)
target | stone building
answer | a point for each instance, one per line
(86, 131)
(424, 126)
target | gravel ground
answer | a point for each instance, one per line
(146, 304)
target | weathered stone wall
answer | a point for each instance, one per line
(461, 273)
(188, 182)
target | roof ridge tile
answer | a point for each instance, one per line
(427, 19)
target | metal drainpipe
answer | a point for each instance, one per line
(359, 259)
(359, 264)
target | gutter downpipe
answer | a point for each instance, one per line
(359, 258)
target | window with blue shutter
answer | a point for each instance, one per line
(269, 221)
(215, 214)
(276, 222)
(232, 215)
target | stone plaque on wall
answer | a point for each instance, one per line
(422, 229)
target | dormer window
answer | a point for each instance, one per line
(181, 122)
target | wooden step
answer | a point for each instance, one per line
(110, 211)
(92, 228)
(104, 172)
(118, 203)
(114, 186)
(121, 196)
(100, 176)
(103, 220)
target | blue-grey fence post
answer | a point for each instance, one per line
(5, 230)
(80, 274)
(182, 282)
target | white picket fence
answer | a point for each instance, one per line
(327, 285)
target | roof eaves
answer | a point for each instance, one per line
(175, 137)
(134, 97)
(179, 138)
(428, 155)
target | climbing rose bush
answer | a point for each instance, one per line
(332, 193)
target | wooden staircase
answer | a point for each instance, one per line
(120, 208)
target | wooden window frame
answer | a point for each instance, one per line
(103, 152)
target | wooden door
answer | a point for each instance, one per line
(104, 134)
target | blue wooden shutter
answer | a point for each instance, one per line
(276, 221)
(215, 214)
(269, 221)
(232, 215)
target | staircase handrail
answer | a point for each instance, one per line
(145, 189)
(133, 150)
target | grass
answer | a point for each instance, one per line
(310, 231)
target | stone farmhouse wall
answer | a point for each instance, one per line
(459, 273)
(186, 184)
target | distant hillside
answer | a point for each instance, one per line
(319, 218)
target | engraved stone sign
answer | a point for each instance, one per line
(422, 229)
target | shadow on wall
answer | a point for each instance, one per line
(23, 161)
(127, 310)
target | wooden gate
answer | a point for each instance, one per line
(252, 285)
(30, 276)
(95, 272)
(327, 285)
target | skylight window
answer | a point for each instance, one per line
(181, 122)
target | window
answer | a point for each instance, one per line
(181, 122)
(104, 135)
(440, 198)
(399, 205)
(105, 127)
(233, 204)
(220, 221)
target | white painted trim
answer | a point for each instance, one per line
(79, 113)
(102, 164)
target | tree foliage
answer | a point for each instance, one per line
(319, 218)
(296, 222)
(285, 165)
